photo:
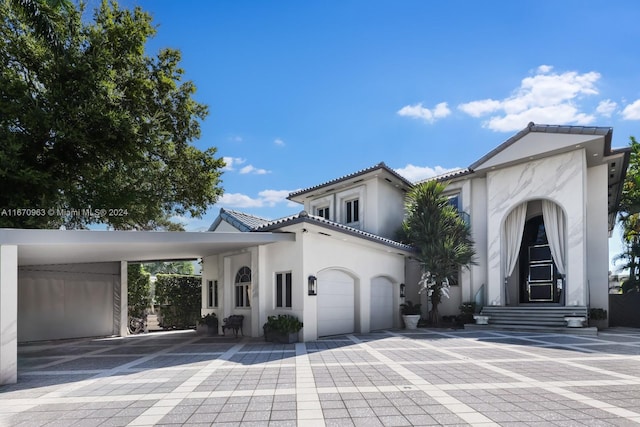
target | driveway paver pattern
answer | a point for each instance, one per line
(387, 378)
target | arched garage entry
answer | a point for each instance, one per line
(382, 304)
(336, 303)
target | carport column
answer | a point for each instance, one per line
(124, 300)
(8, 314)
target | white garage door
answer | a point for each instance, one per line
(381, 304)
(336, 303)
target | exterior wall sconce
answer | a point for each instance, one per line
(313, 280)
(402, 290)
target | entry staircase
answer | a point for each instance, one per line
(528, 318)
(152, 323)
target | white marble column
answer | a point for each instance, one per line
(8, 314)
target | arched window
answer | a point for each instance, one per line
(243, 287)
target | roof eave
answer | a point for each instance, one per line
(342, 229)
(380, 166)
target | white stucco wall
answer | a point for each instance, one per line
(562, 179)
(390, 205)
(597, 237)
(224, 226)
(381, 205)
(211, 272)
(478, 217)
(283, 258)
(8, 314)
(362, 261)
(311, 254)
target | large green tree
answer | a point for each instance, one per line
(92, 128)
(441, 236)
(629, 219)
(169, 267)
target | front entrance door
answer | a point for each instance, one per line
(539, 279)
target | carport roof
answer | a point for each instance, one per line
(37, 247)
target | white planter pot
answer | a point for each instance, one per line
(575, 322)
(481, 320)
(411, 320)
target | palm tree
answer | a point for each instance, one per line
(629, 219)
(441, 236)
(630, 257)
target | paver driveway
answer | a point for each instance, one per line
(393, 378)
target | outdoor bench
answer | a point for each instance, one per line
(233, 322)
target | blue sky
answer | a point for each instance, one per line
(301, 92)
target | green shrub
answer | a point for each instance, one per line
(138, 290)
(597, 314)
(409, 308)
(467, 310)
(210, 320)
(285, 323)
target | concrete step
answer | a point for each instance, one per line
(531, 316)
(533, 329)
(152, 323)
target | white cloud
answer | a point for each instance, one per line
(417, 111)
(553, 114)
(279, 142)
(273, 197)
(238, 200)
(545, 97)
(232, 162)
(606, 108)
(545, 68)
(480, 108)
(632, 111)
(250, 169)
(418, 173)
(268, 198)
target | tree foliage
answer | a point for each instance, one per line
(88, 120)
(441, 236)
(169, 267)
(629, 218)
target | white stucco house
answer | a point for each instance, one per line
(540, 206)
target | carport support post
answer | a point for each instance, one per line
(124, 300)
(8, 314)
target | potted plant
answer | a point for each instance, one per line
(598, 318)
(208, 325)
(410, 314)
(467, 312)
(282, 328)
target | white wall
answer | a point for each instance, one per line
(390, 205)
(478, 216)
(381, 206)
(597, 237)
(67, 301)
(211, 271)
(224, 226)
(562, 179)
(8, 314)
(362, 261)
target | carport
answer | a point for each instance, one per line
(98, 256)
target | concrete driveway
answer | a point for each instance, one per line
(390, 378)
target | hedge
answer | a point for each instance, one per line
(180, 298)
